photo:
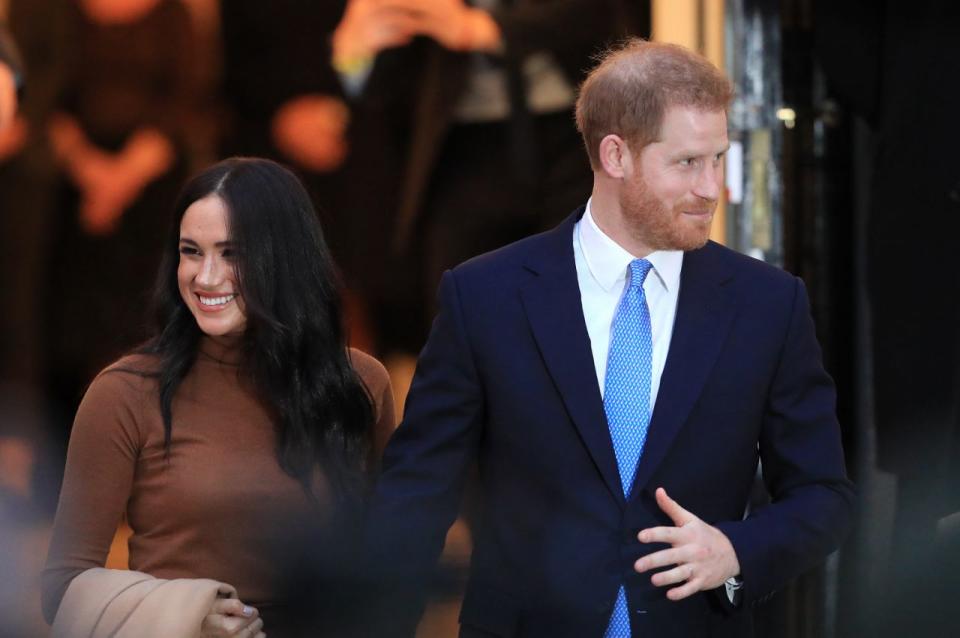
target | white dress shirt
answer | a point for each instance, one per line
(602, 266)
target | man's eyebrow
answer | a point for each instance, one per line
(696, 153)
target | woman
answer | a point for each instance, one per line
(240, 438)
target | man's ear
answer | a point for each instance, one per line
(615, 157)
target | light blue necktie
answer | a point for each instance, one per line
(626, 399)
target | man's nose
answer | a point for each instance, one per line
(709, 181)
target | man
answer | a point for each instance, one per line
(10, 78)
(617, 380)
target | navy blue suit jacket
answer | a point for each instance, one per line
(507, 379)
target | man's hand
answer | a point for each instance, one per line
(702, 555)
(8, 96)
(230, 618)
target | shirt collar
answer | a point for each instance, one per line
(608, 261)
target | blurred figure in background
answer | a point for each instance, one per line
(10, 75)
(119, 136)
(283, 100)
(887, 62)
(24, 453)
(476, 99)
(27, 184)
(26, 490)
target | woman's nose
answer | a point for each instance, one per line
(210, 272)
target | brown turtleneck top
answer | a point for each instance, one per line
(219, 507)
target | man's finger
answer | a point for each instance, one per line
(669, 535)
(679, 574)
(688, 589)
(672, 509)
(663, 558)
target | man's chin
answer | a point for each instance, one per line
(692, 237)
(692, 243)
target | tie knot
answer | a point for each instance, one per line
(638, 272)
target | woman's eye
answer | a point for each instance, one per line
(189, 250)
(229, 253)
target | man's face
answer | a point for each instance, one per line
(669, 199)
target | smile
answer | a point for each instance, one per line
(216, 301)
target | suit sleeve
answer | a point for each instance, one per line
(803, 468)
(425, 465)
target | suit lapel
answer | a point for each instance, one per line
(704, 315)
(555, 312)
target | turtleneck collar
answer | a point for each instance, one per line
(225, 350)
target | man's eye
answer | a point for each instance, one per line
(687, 161)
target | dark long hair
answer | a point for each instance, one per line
(294, 346)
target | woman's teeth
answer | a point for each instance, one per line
(216, 301)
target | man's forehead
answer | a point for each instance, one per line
(694, 129)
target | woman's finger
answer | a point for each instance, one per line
(233, 607)
(252, 629)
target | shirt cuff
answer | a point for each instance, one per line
(733, 586)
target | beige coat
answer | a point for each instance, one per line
(102, 603)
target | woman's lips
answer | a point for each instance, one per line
(214, 303)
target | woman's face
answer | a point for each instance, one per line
(206, 274)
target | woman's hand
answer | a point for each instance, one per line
(454, 24)
(370, 26)
(230, 618)
(13, 138)
(121, 179)
(8, 96)
(109, 183)
(310, 129)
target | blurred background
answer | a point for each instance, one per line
(843, 169)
